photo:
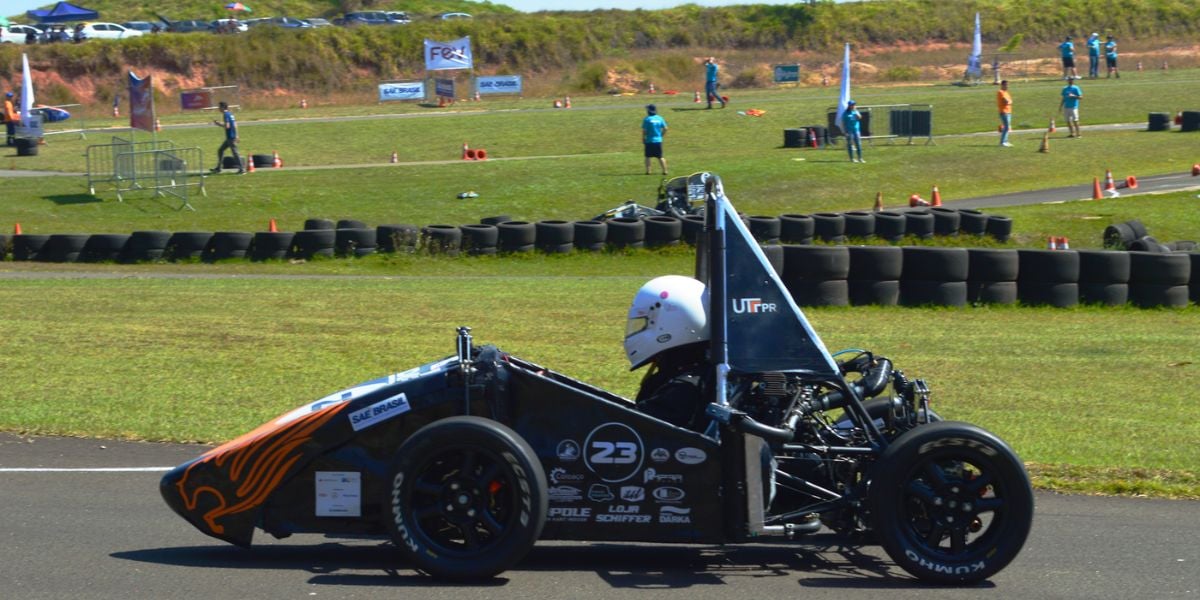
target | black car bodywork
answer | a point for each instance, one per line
(467, 461)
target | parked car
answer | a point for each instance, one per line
(318, 22)
(400, 17)
(228, 26)
(188, 26)
(453, 15)
(352, 19)
(107, 31)
(18, 34)
(285, 22)
(146, 26)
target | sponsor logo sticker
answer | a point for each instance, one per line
(675, 515)
(613, 451)
(633, 493)
(600, 493)
(660, 455)
(567, 513)
(379, 412)
(559, 475)
(568, 451)
(564, 493)
(690, 456)
(652, 475)
(668, 494)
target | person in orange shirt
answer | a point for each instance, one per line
(11, 118)
(1004, 103)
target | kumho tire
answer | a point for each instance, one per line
(355, 241)
(271, 245)
(626, 232)
(1000, 228)
(972, 222)
(693, 228)
(992, 265)
(830, 227)
(185, 245)
(591, 235)
(796, 229)
(946, 221)
(662, 231)
(516, 236)
(982, 485)
(765, 229)
(919, 224)
(103, 247)
(479, 239)
(815, 263)
(935, 263)
(316, 224)
(875, 263)
(145, 246)
(63, 247)
(891, 226)
(230, 244)
(868, 292)
(26, 246)
(441, 239)
(312, 243)
(461, 474)
(552, 235)
(397, 238)
(859, 224)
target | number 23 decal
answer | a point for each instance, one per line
(614, 453)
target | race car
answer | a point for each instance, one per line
(467, 461)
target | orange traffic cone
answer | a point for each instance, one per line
(812, 143)
(17, 229)
(1064, 243)
(116, 111)
(303, 103)
(1196, 170)
(567, 102)
(878, 201)
(276, 162)
(1052, 243)
(1130, 183)
(250, 164)
(916, 200)
(481, 154)
(441, 101)
(651, 87)
(558, 104)
(395, 157)
(1045, 148)
(157, 124)
(937, 197)
(464, 152)
(1096, 193)
(271, 227)
(696, 97)
(1109, 186)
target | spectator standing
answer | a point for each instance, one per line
(1067, 49)
(1110, 57)
(711, 83)
(11, 118)
(1070, 103)
(852, 126)
(1093, 45)
(653, 128)
(229, 123)
(1004, 103)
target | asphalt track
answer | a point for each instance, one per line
(73, 533)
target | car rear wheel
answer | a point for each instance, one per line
(467, 498)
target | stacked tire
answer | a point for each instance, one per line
(63, 247)
(692, 227)
(972, 222)
(919, 224)
(1048, 277)
(626, 232)
(992, 276)
(874, 275)
(267, 245)
(187, 245)
(516, 236)
(445, 240)
(1159, 279)
(817, 275)
(355, 241)
(313, 242)
(891, 226)
(401, 238)
(795, 229)
(999, 227)
(224, 245)
(103, 247)
(480, 239)
(830, 227)
(554, 237)
(145, 246)
(765, 229)
(28, 246)
(946, 221)
(1103, 277)
(591, 235)
(859, 224)
(934, 276)
(662, 231)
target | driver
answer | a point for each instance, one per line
(668, 329)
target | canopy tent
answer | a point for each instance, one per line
(62, 13)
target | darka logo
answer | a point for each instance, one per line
(751, 306)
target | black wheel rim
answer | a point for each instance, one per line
(463, 500)
(954, 505)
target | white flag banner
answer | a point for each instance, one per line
(844, 97)
(973, 67)
(441, 56)
(26, 92)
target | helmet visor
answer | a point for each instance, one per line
(636, 325)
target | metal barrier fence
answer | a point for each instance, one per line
(902, 121)
(156, 166)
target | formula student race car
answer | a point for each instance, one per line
(467, 461)
(677, 197)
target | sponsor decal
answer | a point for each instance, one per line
(690, 456)
(600, 493)
(660, 455)
(675, 515)
(559, 475)
(379, 412)
(568, 514)
(613, 451)
(498, 84)
(651, 475)
(564, 493)
(568, 451)
(622, 518)
(944, 568)
(668, 494)
(633, 493)
(413, 90)
(398, 512)
(752, 306)
(339, 493)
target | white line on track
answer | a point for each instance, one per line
(85, 470)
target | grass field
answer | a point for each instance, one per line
(1095, 399)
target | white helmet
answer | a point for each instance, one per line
(667, 312)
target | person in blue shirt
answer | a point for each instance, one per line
(1070, 104)
(1067, 48)
(710, 81)
(653, 128)
(851, 126)
(1093, 45)
(229, 123)
(1110, 57)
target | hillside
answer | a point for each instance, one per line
(118, 10)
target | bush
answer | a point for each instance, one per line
(902, 74)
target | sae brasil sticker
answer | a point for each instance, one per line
(378, 412)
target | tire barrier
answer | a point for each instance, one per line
(312, 243)
(693, 228)
(496, 220)
(1048, 277)
(932, 275)
(27, 246)
(311, 224)
(765, 229)
(4, 245)
(441, 239)
(663, 231)
(624, 232)
(270, 245)
(992, 276)
(229, 244)
(1193, 280)
(774, 254)
(891, 226)
(796, 229)
(999, 227)
(830, 227)
(859, 224)
(874, 275)
(794, 138)
(1190, 121)
(186, 245)
(1103, 277)
(1182, 246)
(480, 239)
(919, 224)
(1158, 121)
(817, 275)
(516, 236)
(356, 241)
(63, 247)
(1119, 236)
(590, 235)
(145, 246)
(1157, 279)
(397, 238)
(349, 224)
(262, 161)
(946, 221)
(103, 247)
(230, 162)
(972, 222)
(554, 237)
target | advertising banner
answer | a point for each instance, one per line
(195, 100)
(787, 73)
(443, 88)
(440, 56)
(498, 84)
(405, 90)
(141, 103)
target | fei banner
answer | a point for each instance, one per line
(141, 103)
(405, 90)
(498, 84)
(441, 56)
(196, 100)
